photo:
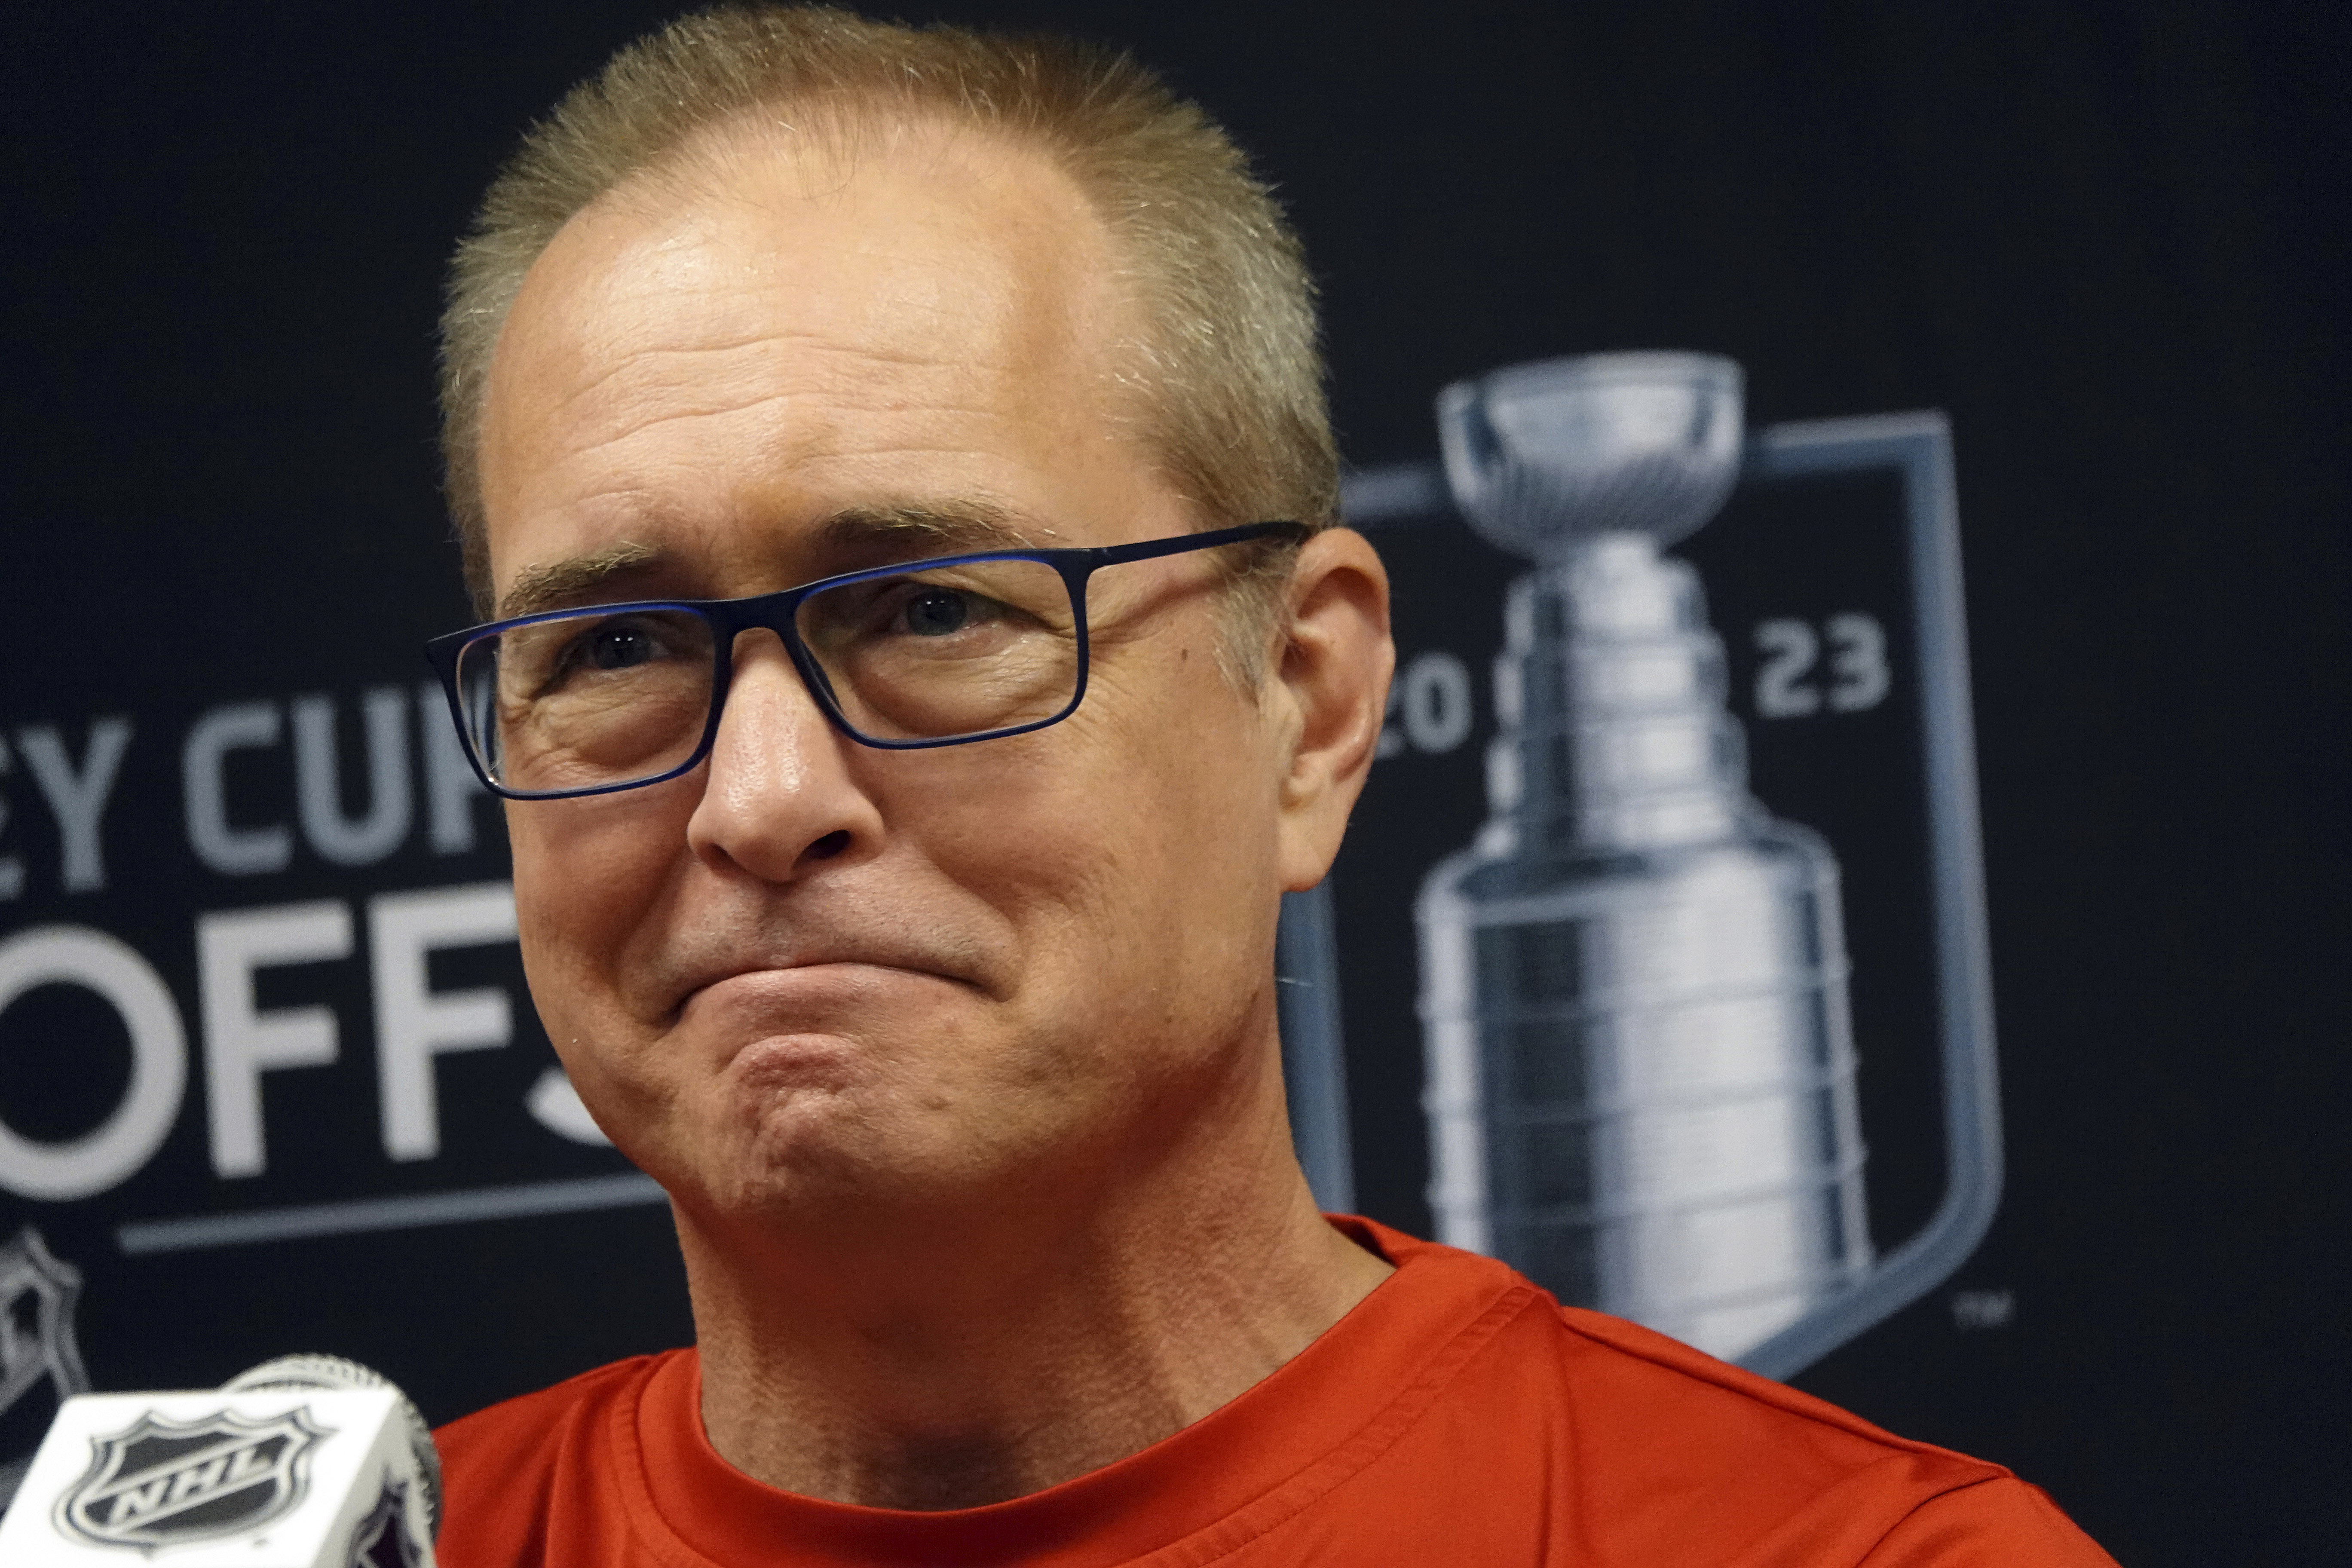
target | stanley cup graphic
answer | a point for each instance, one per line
(1640, 1067)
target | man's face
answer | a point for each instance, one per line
(811, 975)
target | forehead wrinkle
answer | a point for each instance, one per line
(681, 350)
(647, 358)
(637, 425)
(860, 394)
(637, 358)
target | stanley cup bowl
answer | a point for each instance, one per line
(1542, 457)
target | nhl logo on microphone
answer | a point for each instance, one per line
(168, 1483)
(289, 1471)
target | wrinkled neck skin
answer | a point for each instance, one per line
(954, 1354)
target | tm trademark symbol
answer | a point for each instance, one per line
(1975, 1310)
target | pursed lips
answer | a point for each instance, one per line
(699, 979)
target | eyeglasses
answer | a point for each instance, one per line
(927, 653)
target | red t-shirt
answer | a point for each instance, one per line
(1456, 1415)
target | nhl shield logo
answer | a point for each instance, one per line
(37, 1292)
(164, 1483)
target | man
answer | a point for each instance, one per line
(914, 929)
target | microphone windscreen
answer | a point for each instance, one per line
(303, 1462)
(312, 1369)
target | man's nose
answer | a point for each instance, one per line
(779, 798)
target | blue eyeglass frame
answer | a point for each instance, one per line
(777, 613)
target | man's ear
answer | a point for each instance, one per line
(1332, 677)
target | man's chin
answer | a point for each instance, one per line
(838, 1174)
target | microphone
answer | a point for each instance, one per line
(307, 1461)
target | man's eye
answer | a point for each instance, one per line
(620, 646)
(937, 612)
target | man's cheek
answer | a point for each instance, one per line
(580, 886)
(597, 845)
(551, 967)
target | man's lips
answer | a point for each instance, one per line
(811, 975)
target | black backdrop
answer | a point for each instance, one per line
(2107, 240)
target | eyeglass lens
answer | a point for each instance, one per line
(605, 697)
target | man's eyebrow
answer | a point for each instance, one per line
(943, 528)
(937, 528)
(576, 578)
